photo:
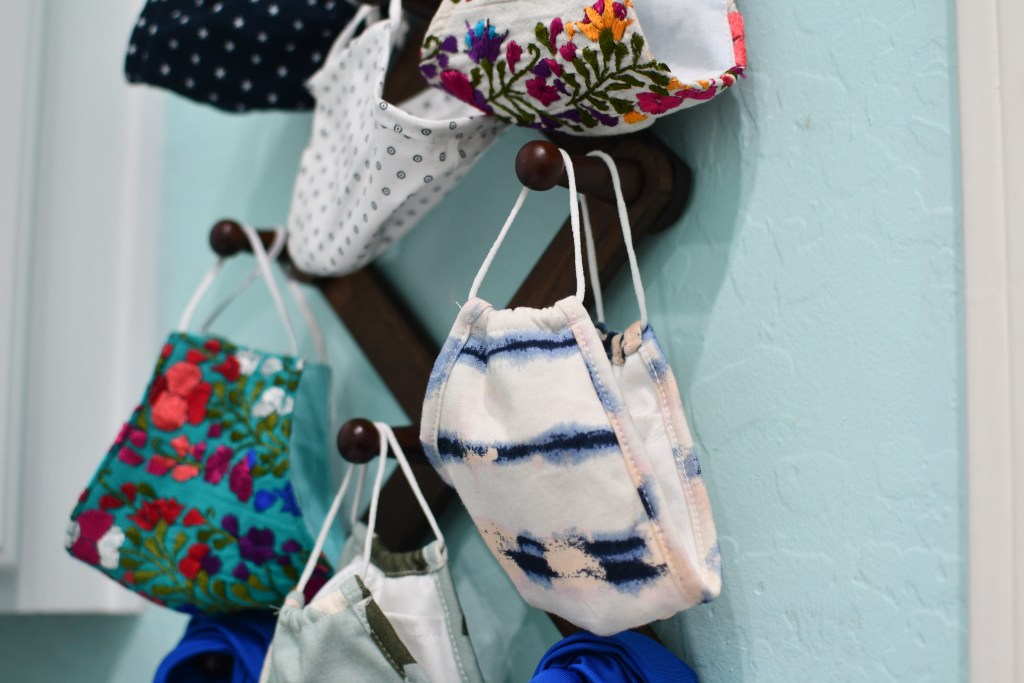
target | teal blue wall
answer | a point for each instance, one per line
(810, 302)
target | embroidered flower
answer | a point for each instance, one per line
(179, 395)
(194, 518)
(263, 500)
(109, 502)
(449, 44)
(634, 117)
(483, 42)
(129, 490)
(217, 464)
(240, 480)
(199, 450)
(229, 523)
(212, 345)
(513, 53)
(271, 365)
(603, 16)
(273, 400)
(129, 457)
(230, 368)
(653, 103)
(160, 465)
(568, 51)
(180, 443)
(248, 361)
(214, 431)
(153, 511)
(539, 90)
(199, 559)
(184, 472)
(554, 31)
(95, 539)
(257, 545)
(240, 572)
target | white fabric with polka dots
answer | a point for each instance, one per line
(373, 169)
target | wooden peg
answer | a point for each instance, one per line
(540, 166)
(227, 238)
(359, 442)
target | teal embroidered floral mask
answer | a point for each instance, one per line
(194, 505)
(582, 67)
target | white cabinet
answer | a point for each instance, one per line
(80, 155)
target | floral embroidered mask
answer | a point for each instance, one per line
(199, 503)
(574, 67)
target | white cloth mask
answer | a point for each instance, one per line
(383, 617)
(569, 447)
(373, 169)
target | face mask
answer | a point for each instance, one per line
(569, 447)
(236, 55)
(606, 68)
(383, 617)
(194, 505)
(372, 168)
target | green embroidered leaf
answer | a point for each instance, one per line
(591, 57)
(632, 81)
(128, 563)
(581, 69)
(656, 77)
(218, 390)
(598, 103)
(134, 535)
(286, 429)
(475, 77)
(144, 576)
(661, 91)
(220, 543)
(502, 69)
(543, 36)
(607, 43)
(290, 572)
(636, 44)
(146, 490)
(219, 589)
(293, 386)
(281, 470)
(586, 119)
(272, 420)
(161, 531)
(214, 414)
(241, 591)
(487, 67)
(163, 590)
(142, 422)
(257, 389)
(179, 542)
(256, 584)
(203, 579)
(153, 547)
(571, 81)
(260, 471)
(621, 106)
(618, 86)
(235, 396)
(620, 53)
(204, 535)
(237, 436)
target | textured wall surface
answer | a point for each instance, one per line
(809, 301)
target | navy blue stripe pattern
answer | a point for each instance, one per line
(517, 347)
(565, 444)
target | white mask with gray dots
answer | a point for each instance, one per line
(373, 169)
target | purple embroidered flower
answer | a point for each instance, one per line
(483, 42)
(512, 55)
(556, 29)
(240, 572)
(450, 44)
(211, 564)
(570, 115)
(230, 524)
(442, 60)
(568, 51)
(257, 545)
(291, 546)
(428, 71)
(560, 86)
(541, 91)
(240, 480)
(603, 118)
(199, 450)
(217, 464)
(542, 70)
(214, 431)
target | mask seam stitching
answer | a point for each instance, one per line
(448, 627)
(694, 519)
(380, 644)
(624, 448)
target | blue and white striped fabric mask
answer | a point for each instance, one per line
(570, 449)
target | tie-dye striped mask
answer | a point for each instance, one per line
(569, 447)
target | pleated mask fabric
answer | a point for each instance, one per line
(570, 449)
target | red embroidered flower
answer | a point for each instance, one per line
(457, 83)
(194, 518)
(160, 465)
(212, 345)
(192, 563)
(568, 51)
(541, 91)
(184, 472)
(152, 511)
(217, 464)
(653, 103)
(512, 54)
(129, 457)
(241, 480)
(229, 368)
(193, 356)
(179, 395)
(109, 502)
(129, 490)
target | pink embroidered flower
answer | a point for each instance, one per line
(94, 538)
(217, 464)
(240, 480)
(540, 91)
(129, 457)
(153, 511)
(512, 55)
(181, 444)
(568, 51)
(129, 490)
(199, 450)
(457, 84)
(653, 103)
(554, 31)
(555, 67)
(137, 437)
(179, 395)
(160, 465)
(184, 472)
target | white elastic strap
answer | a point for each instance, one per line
(497, 243)
(403, 462)
(595, 279)
(280, 239)
(325, 529)
(366, 13)
(574, 221)
(397, 27)
(358, 497)
(302, 303)
(371, 525)
(627, 234)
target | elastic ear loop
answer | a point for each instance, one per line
(387, 438)
(263, 261)
(325, 528)
(595, 279)
(574, 221)
(280, 238)
(627, 237)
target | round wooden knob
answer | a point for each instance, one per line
(227, 238)
(539, 165)
(358, 441)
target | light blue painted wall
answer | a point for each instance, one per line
(810, 302)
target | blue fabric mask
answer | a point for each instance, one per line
(243, 639)
(627, 657)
